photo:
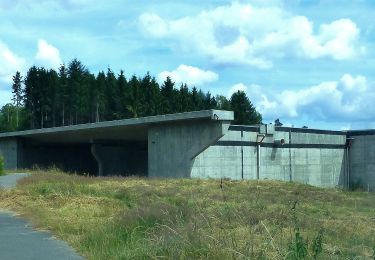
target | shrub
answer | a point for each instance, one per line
(1, 165)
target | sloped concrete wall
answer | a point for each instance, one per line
(311, 157)
(173, 147)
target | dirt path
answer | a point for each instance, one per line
(19, 241)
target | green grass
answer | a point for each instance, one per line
(1, 165)
(134, 218)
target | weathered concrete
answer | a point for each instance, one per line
(111, 148)
(362, 159)
(172, 148)
(308, 156)
(9, 150)
(198, 144)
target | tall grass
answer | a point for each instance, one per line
(133, 218)
(1, 165)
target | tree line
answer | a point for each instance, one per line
(73, 95)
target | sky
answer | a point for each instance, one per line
(307, 62)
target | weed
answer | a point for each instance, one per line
(317, 244)
(135, 218)
(1, 165)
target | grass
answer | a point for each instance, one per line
(135, 218)
(1, 165)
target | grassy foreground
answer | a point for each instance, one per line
(132, 218)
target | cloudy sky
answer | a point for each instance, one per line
(307, 62)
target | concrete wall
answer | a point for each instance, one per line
(362, 160)
(172, 147)
(311, 157)
(9, 150)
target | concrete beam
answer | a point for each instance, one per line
(218, 115)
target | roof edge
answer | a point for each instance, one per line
(212, 114)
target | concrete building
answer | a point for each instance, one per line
(200, 144)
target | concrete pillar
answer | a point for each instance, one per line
(173, 147)
(99, 160)
(9, 150)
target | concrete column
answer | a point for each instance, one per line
(173, 147)
(9, 150)
(99, 160)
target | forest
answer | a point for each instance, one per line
(73, 95)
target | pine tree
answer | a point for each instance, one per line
(99, 101)
(62, 92)
(122, 89)
(17, 91)
(244, 111)
(134, 104)
(222, 103)
(32, 96)
(77, 90)
(111, 95)
(168, 96)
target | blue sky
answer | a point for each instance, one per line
(307, 62)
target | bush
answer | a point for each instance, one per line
(1, 165)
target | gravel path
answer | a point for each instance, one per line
(19, 241)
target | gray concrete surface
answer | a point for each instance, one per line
(309, 156)
(116, 147)
(362, 160)
(198, 144)
(19, 241)
(10, 181)
(172, 148)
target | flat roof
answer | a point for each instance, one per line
(134, 129)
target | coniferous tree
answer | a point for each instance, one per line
(77, 90)
(74, 95)
(244, 111)
(99, 96)
(168, 96)
(222, 103)
(209, 102)
(184, 99)
(17, 91)
(111, 95)
(134, 104)
(120, 99)
(31, 96)
(151, 91)
(62, 94)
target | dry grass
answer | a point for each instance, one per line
(123, 218)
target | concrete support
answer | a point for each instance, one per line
(9, 150)
(95, 153)
(172, 148)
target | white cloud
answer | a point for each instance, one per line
(48, 55)
(256, 35)
(190, 75)
(348, 99)
(235, 88)
(9, 63)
